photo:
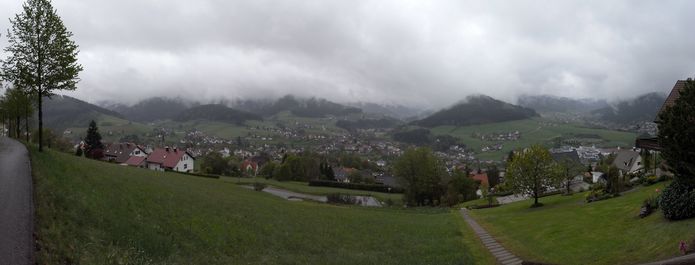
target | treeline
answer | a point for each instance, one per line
(16, 110)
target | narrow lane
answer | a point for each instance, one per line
(16, 204)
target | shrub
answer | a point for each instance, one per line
(650, 180)
(483, 206)
(355, 186)
(257, 186)
(340, 198)
(649, 205)
(678, 201)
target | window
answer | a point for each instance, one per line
(185, 166)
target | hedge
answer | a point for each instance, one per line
(355, 186)
(678, 201)
(195, 174)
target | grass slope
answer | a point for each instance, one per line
(568, 231)
(90, 212)
(532, 131)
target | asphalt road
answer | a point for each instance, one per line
(16, 204)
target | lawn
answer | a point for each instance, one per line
(90, 212)
(533, 131)
(568, 231)
(303, 187)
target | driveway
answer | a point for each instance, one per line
(16, 204)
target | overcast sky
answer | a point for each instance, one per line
(423, 53)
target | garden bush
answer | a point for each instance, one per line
(355, 186)
(257, 186)
(338, 198)
(678, 201)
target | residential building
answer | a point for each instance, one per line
(170, 159)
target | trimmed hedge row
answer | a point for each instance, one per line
(196, 174)
(355, 186)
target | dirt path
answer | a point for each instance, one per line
(16, 204)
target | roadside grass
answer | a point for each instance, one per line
(303, 187)
(533, 131)
(90, 212)
(568, 231)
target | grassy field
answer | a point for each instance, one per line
(90, 212)
(532, 131)
(303, 187)
(112, 128)
(568, 231)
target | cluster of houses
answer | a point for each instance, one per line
(160, 159)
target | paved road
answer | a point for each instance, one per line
(16, 204)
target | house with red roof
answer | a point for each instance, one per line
(137, 161)
(482, 177)
(170, 159)
(249, 167)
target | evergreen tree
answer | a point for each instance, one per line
(93, 146)
(677, 135)
(41, 56)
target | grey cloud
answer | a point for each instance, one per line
(424, 53)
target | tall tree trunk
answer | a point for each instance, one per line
(18, 128)
(40, 121)
(26, 120)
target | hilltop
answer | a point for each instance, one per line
(477, 110)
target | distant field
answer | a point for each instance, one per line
(112, 128)
(533, 131)
(90, 212)
(568, 231)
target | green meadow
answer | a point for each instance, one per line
(91, 212)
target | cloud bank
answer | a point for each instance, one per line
(418, 53)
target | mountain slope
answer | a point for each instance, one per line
(309, 108)
(151, 109)
(547, 103)
(477, 110)
(60, 112)
(216, 112)
(640, 109)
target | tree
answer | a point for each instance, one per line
(570, 169)
(213, 163)
(420, 174)
(493, 176)
(677, 138)
(41, 56)
(677, 135)
(532, 172)
(461, 188)
(16, 105)
(93, 146)
(267, 170)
